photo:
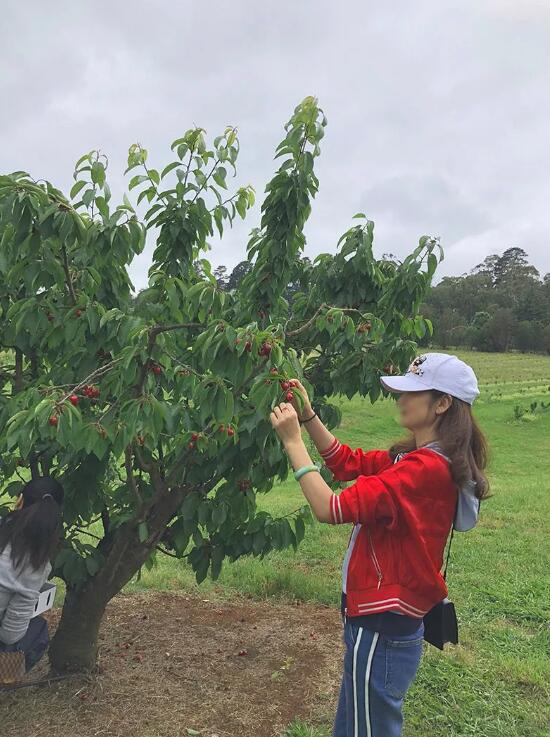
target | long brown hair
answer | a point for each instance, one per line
(33, 530)
(462, 440)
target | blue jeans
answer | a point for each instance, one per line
(34, 642)
(378, 670)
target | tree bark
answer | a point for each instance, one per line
(75, 644)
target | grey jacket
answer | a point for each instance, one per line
(19, 590)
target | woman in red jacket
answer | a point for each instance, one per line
(402, 506)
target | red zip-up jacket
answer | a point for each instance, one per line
(402, 513)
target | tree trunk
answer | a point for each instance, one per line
(74, 646)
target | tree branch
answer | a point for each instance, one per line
(153, 332)
(94, 375)
(307, 324)
(68, 274)
(130, 474)
(18, 385)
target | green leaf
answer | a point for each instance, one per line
(138, 179)
(169, 168)
(98, 173)
(219, 514)
(88, 196)
(300, 529)
(154, 176)
(143, 531)
(190, 506)
(76, 189)
(219, 177)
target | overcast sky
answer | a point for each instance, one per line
(438, 112)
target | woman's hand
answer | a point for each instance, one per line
(284, 419)
(307, 411)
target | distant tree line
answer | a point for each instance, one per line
(502, 304)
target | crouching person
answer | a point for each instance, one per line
(28, 538)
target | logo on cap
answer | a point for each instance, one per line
(414, 368)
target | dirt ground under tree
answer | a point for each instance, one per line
(171, 665)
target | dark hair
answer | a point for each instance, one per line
(462, 440)
(34, 529)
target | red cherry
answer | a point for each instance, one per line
(274, 370)
(293, 382)
(221, 428)
(194, 436)
(285, 385)
(73, 399)
(53, 420)
(230, 431)
(289, 396)
(191, 445)
(248, 346)
(157, 370)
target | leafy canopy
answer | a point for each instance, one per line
(162, 401)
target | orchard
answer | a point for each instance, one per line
(153, 411)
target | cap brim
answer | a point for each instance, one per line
(402, 384)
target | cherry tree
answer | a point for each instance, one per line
(154, 411)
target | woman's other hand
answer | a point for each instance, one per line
(284, 419)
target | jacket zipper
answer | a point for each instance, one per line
(375, 559)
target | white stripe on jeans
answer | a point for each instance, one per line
(355, 650)
(367, 677)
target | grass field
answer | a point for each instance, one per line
(496, 683)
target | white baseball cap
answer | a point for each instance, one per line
(436, 371)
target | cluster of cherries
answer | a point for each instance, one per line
(230, 431)
(285, 384)
(89, 391)
(264, 350)
(364, 327)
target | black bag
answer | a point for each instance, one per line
(440, 623)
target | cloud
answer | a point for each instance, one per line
(438, 114)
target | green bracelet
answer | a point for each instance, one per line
(304, 469)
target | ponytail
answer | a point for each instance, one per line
(33, 530)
